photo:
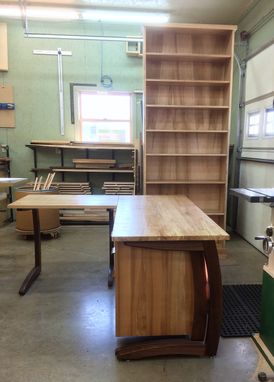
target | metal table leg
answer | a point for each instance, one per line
(36, 270)
(111, 249)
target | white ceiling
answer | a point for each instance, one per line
(189, 11)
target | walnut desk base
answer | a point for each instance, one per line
(35, 202)
(167, 274)
(167, 277)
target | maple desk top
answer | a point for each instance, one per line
(165, 217)
(47, 201)
(9, 182)
(145, 218)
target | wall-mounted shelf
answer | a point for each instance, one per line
(98, 170)
(5, 172)
(67, 151)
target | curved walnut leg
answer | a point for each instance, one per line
(215, 298)
(207, 315)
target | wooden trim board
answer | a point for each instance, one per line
(3, 47)
(7, 117)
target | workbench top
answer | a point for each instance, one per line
(40, 200)
(9, 182)
(165, 217)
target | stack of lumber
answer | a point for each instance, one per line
(100, 215)
(74, 188)
(81, 215)
(42, 142)
(94, 163)
(4, 160)
(68, 188)
(118, 188)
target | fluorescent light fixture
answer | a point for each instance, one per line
(81, 37)
(40, 13)
(10, 11)
(32, 12)
(125, 16)
(52, 13)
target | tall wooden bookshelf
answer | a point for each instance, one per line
(188, 74)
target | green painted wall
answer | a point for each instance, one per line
(36, 88)
(35, 81)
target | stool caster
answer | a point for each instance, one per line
(262, 377)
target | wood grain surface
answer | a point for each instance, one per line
(41, 200)
(154, 292)
(165, 217)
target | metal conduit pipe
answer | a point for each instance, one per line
(82, 37)
(234, 202)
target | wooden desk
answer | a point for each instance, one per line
(35, 202)
(168, 280)
(167, 275)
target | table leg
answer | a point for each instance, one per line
(215, 299)
(111, 249)
(36, 270)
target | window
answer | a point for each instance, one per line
(104, 117)
(253, 124)
(269, 122)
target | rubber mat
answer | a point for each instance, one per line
(241, 310)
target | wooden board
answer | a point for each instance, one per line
(3, 47)
(67, 188)
(186, 70)
(94, 215)
(50, 142)
(7, 117)
(119, 188)
(208, 197)
(188, 143)
(81, 146)
(154, 218)
(187, 95)
(190, 120)
(156, 297)
(65, 201)
(185, 168)
(95, 161)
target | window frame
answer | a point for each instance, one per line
(249, 115)
(78, 120)
(265, 120)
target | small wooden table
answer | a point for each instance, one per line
(35, 202)
(9, 182)
(167, 277)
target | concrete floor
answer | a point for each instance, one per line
(62, 330)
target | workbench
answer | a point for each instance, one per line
(167, 274)
(254, 195)
(265, 338)
(9, 182)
